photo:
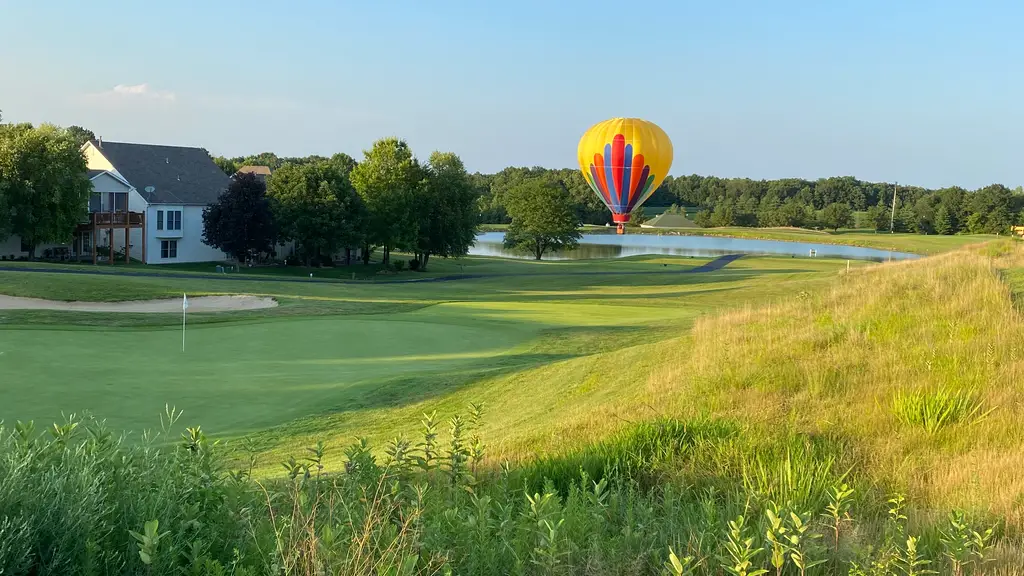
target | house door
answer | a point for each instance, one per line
(86, 243)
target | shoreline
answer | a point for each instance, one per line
(794, 235)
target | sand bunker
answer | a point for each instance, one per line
(196, 304)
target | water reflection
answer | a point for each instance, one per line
(615, 246)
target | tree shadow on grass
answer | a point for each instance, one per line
(405, 390)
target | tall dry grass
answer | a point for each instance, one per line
(832, 362)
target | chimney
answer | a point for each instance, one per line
(99, 142)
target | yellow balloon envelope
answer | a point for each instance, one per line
(624, 160)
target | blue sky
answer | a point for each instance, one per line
(923, 92)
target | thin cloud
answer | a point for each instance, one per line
(133, 92)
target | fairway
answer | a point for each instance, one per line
(347, 350)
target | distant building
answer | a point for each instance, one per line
(147, 197)
(261, 172)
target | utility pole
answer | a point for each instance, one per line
(892, 218)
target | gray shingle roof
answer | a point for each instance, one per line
(177, 174)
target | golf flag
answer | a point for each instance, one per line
(184, 306)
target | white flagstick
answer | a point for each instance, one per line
(184, 306)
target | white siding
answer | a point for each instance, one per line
(189, 239)
(11, 248)
(94, 159)
(107, 183)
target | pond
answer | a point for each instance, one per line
(616, 246)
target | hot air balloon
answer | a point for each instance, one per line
(624, 160)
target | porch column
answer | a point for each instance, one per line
(111, 238)
(144, 256)
(94, 245)
(127, 252)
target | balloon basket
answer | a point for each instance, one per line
(620, 229)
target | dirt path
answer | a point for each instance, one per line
(197, 304)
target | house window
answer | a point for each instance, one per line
(159, 219)
(25, 247)
(168, 249)
(174, 219)
(95, 202)
(86, 243)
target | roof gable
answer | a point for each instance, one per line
(166, 174)
(104, 181)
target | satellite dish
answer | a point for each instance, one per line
(150, 189)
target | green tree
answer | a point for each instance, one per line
(265, 159)
(837, 215)
(241, 222)
(316, 206)
(943, 220)
(446, 210)
(990, 210)
(724, 214)
(389, 180)
(636, 217)
(543, 218)
(880, 216)
(228, 165)
(44, 190)
(80, 135)
(792, 213)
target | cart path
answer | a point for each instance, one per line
(712, 266)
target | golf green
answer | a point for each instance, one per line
(233, 378)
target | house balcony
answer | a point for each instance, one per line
(108, 220)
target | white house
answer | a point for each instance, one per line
(154, 195)
(152, 199)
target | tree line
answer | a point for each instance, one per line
(831, 203)
(389, 201)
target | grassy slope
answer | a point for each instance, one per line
(824, 364)
(828, 364)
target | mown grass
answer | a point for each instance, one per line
(902, 242)
(342, 350)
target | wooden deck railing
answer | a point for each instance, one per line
(101, 219)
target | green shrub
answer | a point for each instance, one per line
(935, 410)
(398, 265)
(79, 500)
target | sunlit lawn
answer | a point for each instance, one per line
(351, 349)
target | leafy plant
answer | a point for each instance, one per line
(962, 545)
(149, 541)
(912, 562)
(677, 566)
(741, 551)
(939, 409)
(777, 536)
(838, 511)
(802, 543)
